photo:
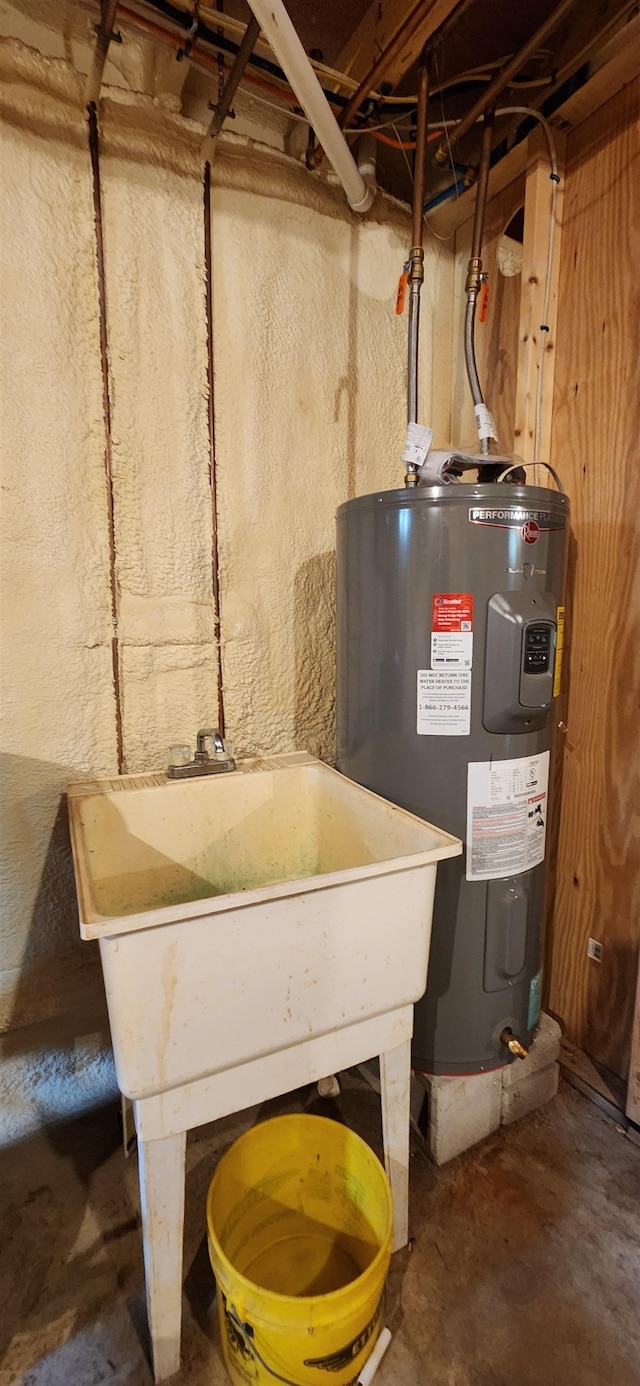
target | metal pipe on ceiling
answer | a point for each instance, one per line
(390, 53)
(483, 186)
(490, 94)
(104, 35)
(285, 43)
(419, 171)
(406, 31)
(221, 110)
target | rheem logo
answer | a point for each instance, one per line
(530, 531)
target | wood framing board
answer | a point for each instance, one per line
(497, 338)
(596, 427)
(533, 338)
(379, 26)
(592, 1081)
(633, 1090)
(619, 65)
(613, 67)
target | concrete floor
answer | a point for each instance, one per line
(524, 1271)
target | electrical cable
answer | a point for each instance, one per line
(409, 168)
(446, 131)
(375, 130)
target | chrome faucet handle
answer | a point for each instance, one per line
(209, 734)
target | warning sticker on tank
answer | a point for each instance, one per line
(444, 702)
(557, 673)
(452, 630)
(506, 816)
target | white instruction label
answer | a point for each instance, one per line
(444, 702)
(417, 443)
(506, 816)
(450, 650)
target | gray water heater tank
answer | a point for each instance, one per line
(450, 612)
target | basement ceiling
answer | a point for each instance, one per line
(468, 41)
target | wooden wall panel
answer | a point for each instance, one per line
(633, 1093)
(542, 197)
(596, 448)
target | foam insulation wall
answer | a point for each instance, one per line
(309, 410)
(57, 694)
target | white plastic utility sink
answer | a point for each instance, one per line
(258, 930)
(239, 914)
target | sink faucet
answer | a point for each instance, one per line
(202, 763)
(208, 734)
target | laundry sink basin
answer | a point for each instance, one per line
(244, 913)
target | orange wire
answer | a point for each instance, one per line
(399, 144)
(386, 139)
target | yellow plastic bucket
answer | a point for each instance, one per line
(299, 1218)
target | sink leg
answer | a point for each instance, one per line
(162, 1172)
(395, 1084)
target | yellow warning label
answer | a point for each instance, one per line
(557, 675)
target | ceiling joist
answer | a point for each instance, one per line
(380, 25)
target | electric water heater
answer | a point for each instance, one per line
(449, 648)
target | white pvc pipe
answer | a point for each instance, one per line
(373, 1362)
(283, 39)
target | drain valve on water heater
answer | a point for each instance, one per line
(518, 1050)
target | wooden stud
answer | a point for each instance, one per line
(538, 193)
(596, 425)
(633, 1091)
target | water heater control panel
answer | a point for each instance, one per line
(536, 666)
(537, 647)
(520, 659)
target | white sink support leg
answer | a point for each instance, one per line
(162, 1180)
(162, 1121)
(395, 1085)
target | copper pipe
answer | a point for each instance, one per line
(106, 410)
(147, 26)
(483, 185)
(215, 570)
(408, 29)
(104, 35)
(416, 255)
(499, 83)
(421, 150)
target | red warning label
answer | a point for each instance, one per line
(452, 612)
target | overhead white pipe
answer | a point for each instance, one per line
(283, 39)
(367, 159)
